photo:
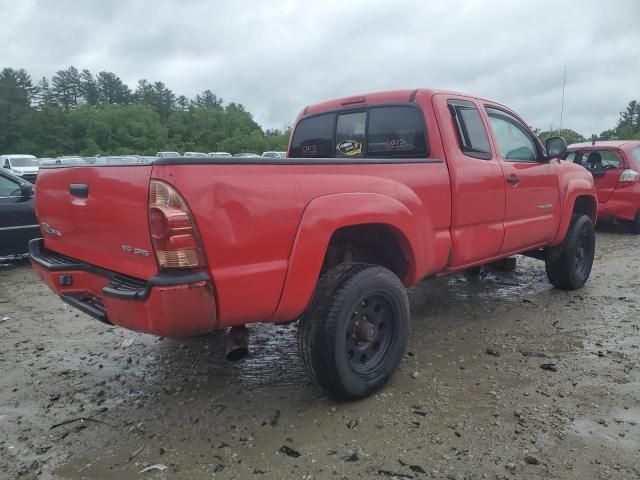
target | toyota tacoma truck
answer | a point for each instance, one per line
(377, 192)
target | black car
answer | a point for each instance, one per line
(18, 222)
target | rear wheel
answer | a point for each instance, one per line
(568, 266)
(353, 335)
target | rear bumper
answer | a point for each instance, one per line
(171, 305)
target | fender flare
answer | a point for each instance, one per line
(577, 187)
(320, 219)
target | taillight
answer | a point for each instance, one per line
(629, 175)
(174, 235)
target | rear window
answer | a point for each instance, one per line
(379, 131)
(636, 154)
(596, 159)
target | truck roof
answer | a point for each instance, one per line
(404, 95)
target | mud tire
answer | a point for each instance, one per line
(333, 355)
(569, 265)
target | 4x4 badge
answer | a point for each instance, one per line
(134, 250)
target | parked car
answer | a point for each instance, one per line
(615, 166)
(219, 154)
(377, 193)
(274, 154)
(25, 166)
(167, 154)
(246, 155)
(124, 160)
(195, 154)
(63, 161)
(18, 223)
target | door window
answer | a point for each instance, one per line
(8, 187)
(514, 140)
(472, 135)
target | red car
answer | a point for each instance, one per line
(377, 192)
(615, 166)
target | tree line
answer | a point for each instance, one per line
(78, 113)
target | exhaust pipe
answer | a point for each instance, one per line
(237, 344)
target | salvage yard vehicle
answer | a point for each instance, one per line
(274, 154)
(195, 154)
(18, 223)
(377, 192)
(615, 166)
(246, 155)
(167, 154)
(25, 166)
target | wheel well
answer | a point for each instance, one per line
(377, 244)
(586, 205)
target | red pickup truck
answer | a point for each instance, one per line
(615, 166)
(377, 192)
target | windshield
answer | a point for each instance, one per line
(24, 162)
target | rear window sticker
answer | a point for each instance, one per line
(309, 150)
(396, 143)
(350, 148)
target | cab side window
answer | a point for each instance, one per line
(9, 188)
(472, 136)
(515, 142)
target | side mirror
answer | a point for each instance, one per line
(26, 190)
(556, 147)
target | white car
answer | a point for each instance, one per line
(195, 154)
(167, 154)
(275, 154)
(24, 166)
(219, 154)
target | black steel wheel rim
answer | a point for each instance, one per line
(583, 252)
(369, 334)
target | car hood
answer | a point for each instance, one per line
(23, 170)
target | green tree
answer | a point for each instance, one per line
(571, 136)
(66, 88)
(111, 89)
(89, 88)
(16, 95)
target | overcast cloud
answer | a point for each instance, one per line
(277, 56)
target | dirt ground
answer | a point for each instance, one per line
(471, 400)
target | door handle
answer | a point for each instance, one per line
(79, 189)
(513, 180)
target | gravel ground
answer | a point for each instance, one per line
(504, 377)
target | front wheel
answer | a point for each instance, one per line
(635, 224)
(569, 264)
(353, 335)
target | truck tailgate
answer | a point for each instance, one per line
(98, 214)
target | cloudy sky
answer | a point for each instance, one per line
(277, 56)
